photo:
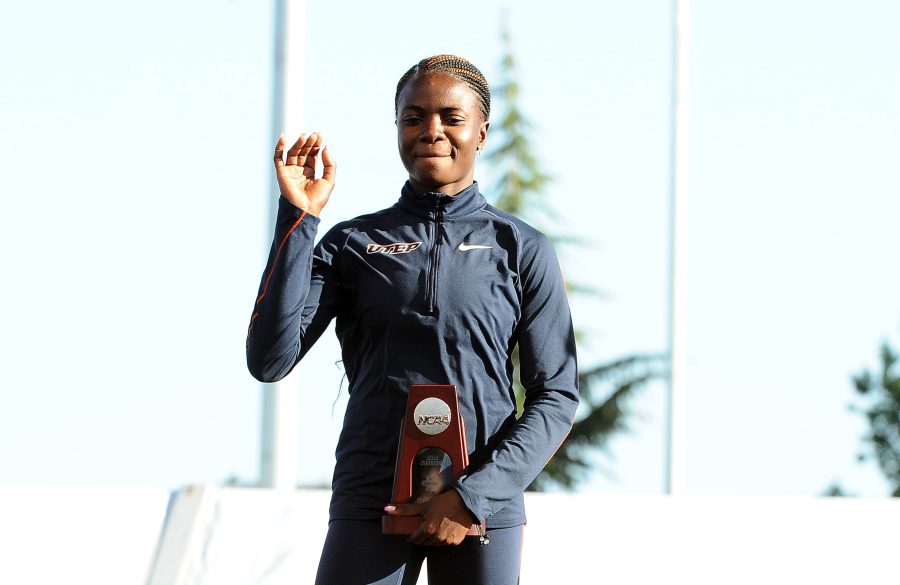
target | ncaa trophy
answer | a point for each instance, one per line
(432, 453)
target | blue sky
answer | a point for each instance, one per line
(134, 171)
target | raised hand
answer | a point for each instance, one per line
(297, 175)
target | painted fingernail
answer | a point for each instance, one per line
(390, 508)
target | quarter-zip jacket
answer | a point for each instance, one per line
(432, 290)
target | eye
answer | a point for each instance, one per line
(454, 121)
(410, 120)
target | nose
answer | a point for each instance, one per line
(432, 129)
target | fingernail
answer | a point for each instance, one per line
(390, 508)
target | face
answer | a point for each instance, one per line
(439, 128)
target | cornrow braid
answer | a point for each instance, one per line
(453, 66)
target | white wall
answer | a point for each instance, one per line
(223, 536)
(51, 535)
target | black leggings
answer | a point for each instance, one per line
(356, 553)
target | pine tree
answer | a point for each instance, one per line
(881, 394)
(520, 180)
(521, 188)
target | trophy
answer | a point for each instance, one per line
(432, 453)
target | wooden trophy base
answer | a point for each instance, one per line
(406, 525)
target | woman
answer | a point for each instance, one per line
(437, 289)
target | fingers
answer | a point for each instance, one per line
(309, 153)
(329, 167)
(437, 533)
(436, 528)
(279, 152)
(424, 535)
(419, 536)
(303, 154)
(405, 509)
(293, 154)
(299, 151)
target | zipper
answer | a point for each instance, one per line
(437, 230)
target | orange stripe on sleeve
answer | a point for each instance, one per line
(265, 287)
(277, 254)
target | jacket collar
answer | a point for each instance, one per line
(463, 203)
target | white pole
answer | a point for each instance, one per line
(278, 457)
(677, 396)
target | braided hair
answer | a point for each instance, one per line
(453, 66)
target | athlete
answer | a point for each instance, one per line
(439, 288)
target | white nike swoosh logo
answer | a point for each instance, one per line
(465, 247)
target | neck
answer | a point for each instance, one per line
(453, 189)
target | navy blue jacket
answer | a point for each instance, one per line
(432, 290)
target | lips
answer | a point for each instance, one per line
(431, 155)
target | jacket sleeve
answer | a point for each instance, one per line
(550, 378)
(298, 295)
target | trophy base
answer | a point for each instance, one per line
(406, 525)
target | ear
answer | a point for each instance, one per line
(482, 134)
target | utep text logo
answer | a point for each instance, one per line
(398, 248)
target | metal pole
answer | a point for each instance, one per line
(676, 419)
(278, 457)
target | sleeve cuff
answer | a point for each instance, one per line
(475, 504)
(285, 207)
